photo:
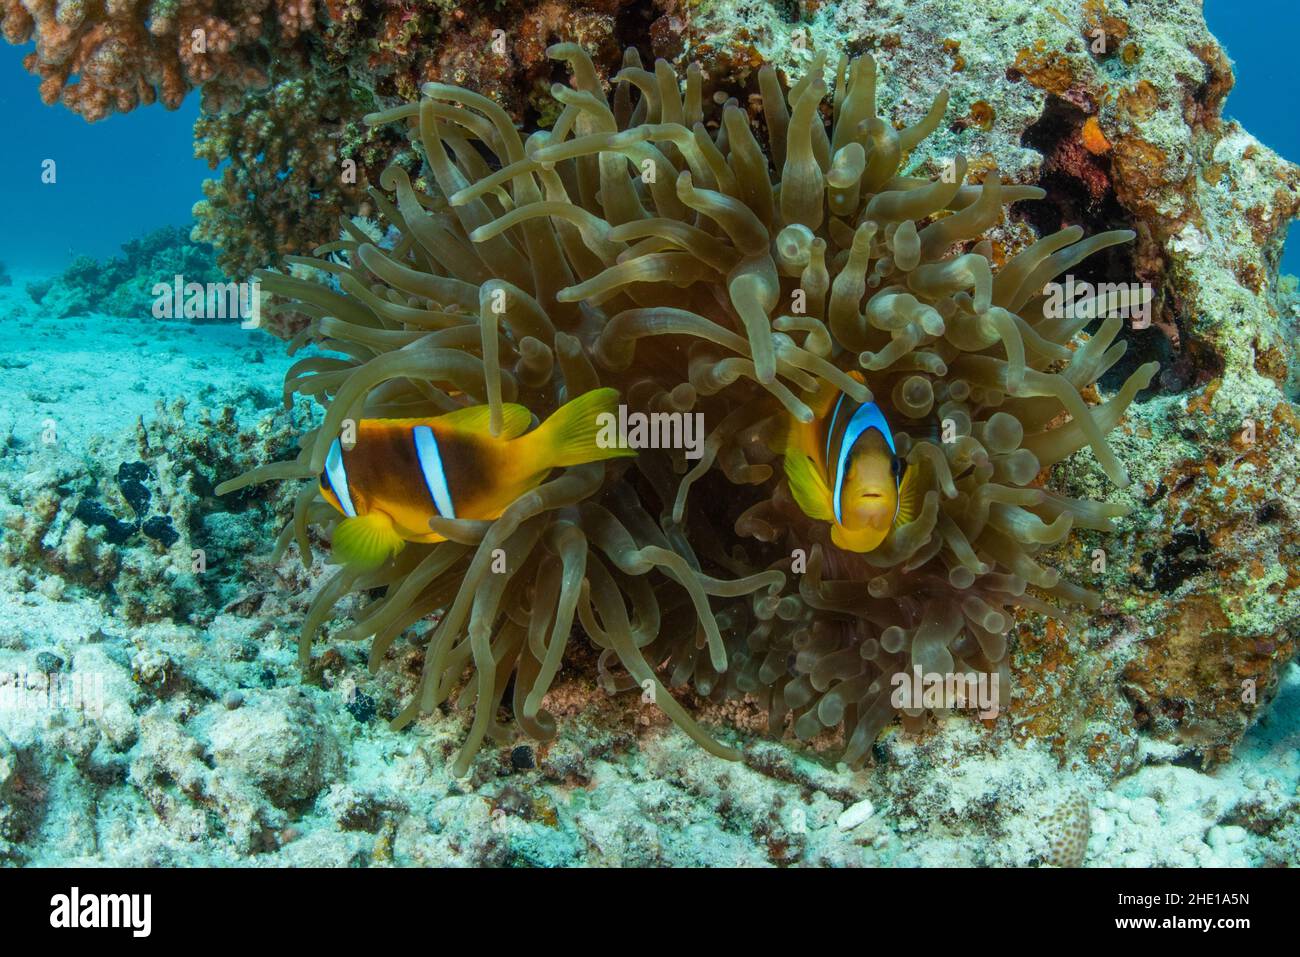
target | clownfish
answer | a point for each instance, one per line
(401, 472)
(843, 469)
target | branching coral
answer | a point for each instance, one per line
(100, 58)
(650, 243)
(287, 177)
(268, 66)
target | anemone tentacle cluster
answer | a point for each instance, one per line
(649, 242)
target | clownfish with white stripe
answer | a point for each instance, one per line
(843, 469)
(400, 473)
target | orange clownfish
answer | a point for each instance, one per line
(843, 469)
(402, 472)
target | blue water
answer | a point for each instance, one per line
(1260, 37)
(132, 173)
(115, 180)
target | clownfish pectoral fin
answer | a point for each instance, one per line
(515, 420)
(865, 540)
(582, 430)
(366, 541)
(808, 487)
(911, 494)
(784, 436)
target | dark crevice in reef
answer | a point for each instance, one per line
(1078, 189)
(1194, 760)
(1182, 558)
(632, 28)
(788, 10)
(1270, 512)
(1080, 192)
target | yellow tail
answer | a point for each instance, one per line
(584, 429)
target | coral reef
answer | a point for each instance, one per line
(675, 283)
(144, 775)
(286, 175)
(285, 83)
(288, 181)
(125, 285)
(1113, 713)
(107, 484)
(97, 59)
(132, 534)
(1191, 639)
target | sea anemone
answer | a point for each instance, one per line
(650, 243)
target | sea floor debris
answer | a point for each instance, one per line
(151, 779)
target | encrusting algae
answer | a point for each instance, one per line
(647, 243)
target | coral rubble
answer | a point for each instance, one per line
(126, 285)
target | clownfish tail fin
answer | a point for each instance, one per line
(577, 432)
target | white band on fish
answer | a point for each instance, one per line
(435, 478)
(338, 478)
(867, 416)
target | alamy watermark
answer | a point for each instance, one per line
(133, 912)
(35, 691)
(972, 690)
(1085, 300)
(179, 299)
(652, 430)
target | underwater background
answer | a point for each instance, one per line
(147, 155)
(1129, 742)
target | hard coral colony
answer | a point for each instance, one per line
(647, 242)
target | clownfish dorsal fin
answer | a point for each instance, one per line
(808, 487)
(910, 495)
(366, 541)
(515, 420)
(822, 399)
(796, 434)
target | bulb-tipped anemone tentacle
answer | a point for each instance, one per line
(649, 242)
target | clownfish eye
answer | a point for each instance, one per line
(896, 466)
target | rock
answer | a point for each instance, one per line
(855, 815)
(277, 741)
(8, 761)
